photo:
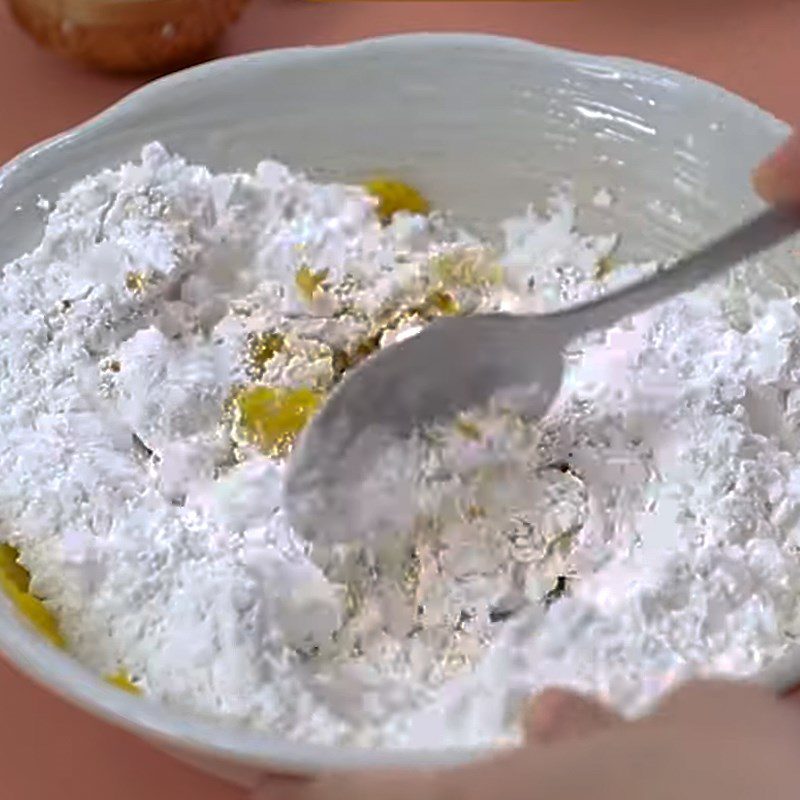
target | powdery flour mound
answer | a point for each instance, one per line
(646, 532)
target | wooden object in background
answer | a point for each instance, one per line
(133, 36)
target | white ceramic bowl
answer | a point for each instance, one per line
(485, 126)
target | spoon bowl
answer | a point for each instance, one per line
(462, 363)
(450, 366)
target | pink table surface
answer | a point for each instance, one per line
(49, 749)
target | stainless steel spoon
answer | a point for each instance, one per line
(460, 363)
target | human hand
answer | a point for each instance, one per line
(716, 741)
(777, 179)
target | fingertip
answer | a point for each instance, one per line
(777, 178)
(543, 711)
(556, 715)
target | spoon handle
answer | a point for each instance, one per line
(752, 237)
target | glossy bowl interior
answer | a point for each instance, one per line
(484, 126)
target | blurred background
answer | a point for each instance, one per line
(55, 57)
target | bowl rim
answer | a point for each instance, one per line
(61, 674)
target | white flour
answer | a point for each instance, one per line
(661, 497)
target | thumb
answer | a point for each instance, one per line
(556, 715)
(777, 179)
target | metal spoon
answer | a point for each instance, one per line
(460, 363)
